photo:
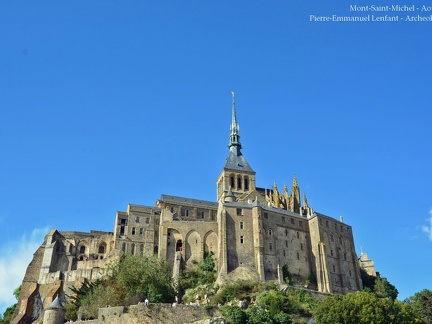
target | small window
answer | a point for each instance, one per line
(301, 246)
(298, 256)
(284, 253)
(270, 232)
(133, 230)
(298, 235)
(232, 182)
(172, 209)
(241, 239)
(331, 252)
(101, 249)
(286, 232)
(137, 220)
(246, 183)
(82, 249)
(265, 215)
(187, 212)
(239, 211)
(141, 231)
(345, 256)
(241, 225)
(239, 183)
(202, 215)
(270, 246)
(334, 269)
(147, 220)
(350, 273)
(286, 243)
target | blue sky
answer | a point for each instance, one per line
(105, 103)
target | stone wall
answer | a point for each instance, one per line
(153, 313)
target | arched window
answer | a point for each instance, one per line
(246, 183)
(232, 182)
(239, 183)
(179, 245)
(101, 249)
(82, 249)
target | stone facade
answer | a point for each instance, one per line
(253, 233)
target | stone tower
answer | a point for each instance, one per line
(237, 174)
(54, 313)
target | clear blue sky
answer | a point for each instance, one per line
(105, 103)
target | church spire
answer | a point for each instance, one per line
(234, 129)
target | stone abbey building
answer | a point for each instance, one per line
(253, 232)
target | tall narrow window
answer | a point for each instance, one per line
(270, 246)
(239, 183)
(202, 215)
(246, 183)
(232, 182)
(241, 239)
(241, 225)
(133, 230)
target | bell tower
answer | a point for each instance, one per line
(237, 174)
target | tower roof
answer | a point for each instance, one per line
(236, 160)
(56, 303)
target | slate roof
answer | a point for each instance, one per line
(190, 201)
(236, 161)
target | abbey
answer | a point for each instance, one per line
(253, 233)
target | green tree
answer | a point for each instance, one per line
(9, 312)
(101, 296)
(421, 304)
(383, 288)
(148, 276)
(258, 315)
(363, 307)
(234, 314)
(203, 274)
